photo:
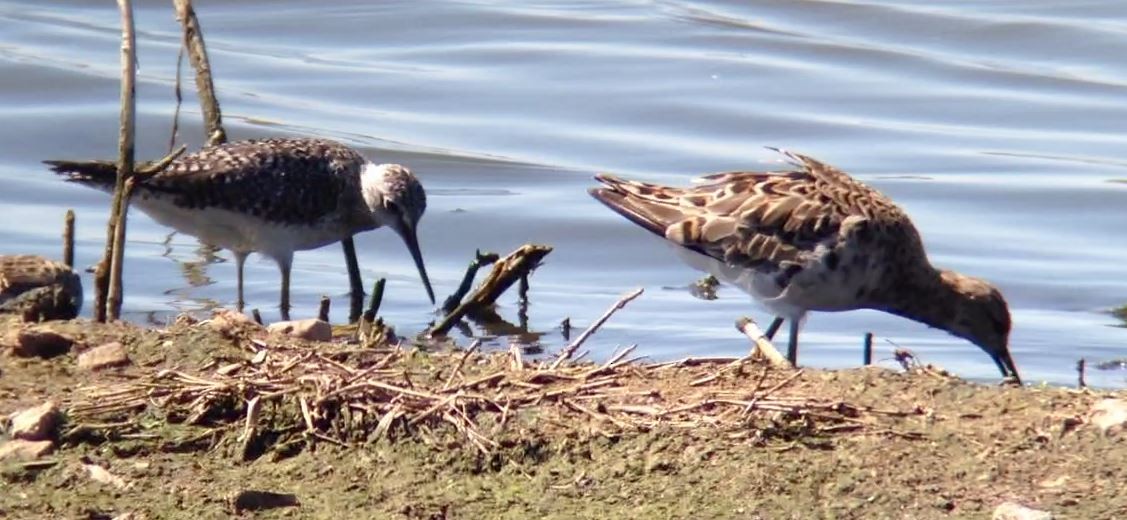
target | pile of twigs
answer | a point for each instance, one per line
(361, 395)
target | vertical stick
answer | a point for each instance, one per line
(68, 239)
(377, 299)
(323, 311)
(124, 185)
(868, 359)
(102, 276)
(1080, 368)
(197, 53)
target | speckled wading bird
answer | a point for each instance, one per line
(814, 239)
(275, 196)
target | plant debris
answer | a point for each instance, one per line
(361, 396)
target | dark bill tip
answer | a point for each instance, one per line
(412, 240)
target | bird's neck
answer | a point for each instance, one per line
(925, 296)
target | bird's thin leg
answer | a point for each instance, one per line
(285, 264)
(774, 327)
(356, 285)
(240, 261)
(792, 346)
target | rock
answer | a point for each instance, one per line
(312, 329)
(36, 423)
(251, 500)
(103, 475)
(20, 449)
(106, 356)
(1013, 511)
(229, 322)
(38, 289)
(36, 342)
(1109, 415)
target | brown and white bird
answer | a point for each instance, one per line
(814, 239)
(274, 197)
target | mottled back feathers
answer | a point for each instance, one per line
(758, 219)
(283, 180)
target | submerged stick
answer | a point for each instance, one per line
(197, 54)
(480, 260)
(68, 239)
(567, 352)
(115, 231)
(504, 274)
(377, 299)
(761, 346)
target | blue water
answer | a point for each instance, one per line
(1000, 126)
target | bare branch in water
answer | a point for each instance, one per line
(568, 351)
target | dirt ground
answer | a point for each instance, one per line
(895, 444)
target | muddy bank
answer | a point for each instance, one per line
(413, 434)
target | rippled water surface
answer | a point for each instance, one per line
(999, 125)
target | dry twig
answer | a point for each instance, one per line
(358, 396)
(567, 352)
(761, 346)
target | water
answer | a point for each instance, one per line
(998, 125)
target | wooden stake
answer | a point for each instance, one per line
(197, 54)
(68, 239)
(115, 231)
(868, 356)
(323, 311)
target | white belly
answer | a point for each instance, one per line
(815, 288)
(238, 231)
(760, 286)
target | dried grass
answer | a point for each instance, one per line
(362, 395)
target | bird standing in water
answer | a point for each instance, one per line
(814, 239)
(274, 197)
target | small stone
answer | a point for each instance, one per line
(229, 322)
(106, 356)
(311, 329)
(1012, 511)
(103, 475)
(20, 449)
(36, 423)
(1109, 415)
(35, 342)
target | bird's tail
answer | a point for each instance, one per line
(102, 174)
(653, 207)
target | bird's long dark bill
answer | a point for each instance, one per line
(1006, 364)
(412, 241)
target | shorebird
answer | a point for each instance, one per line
(274, 197)
(814, 239)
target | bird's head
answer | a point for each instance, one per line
(982, 317)
(396, 199)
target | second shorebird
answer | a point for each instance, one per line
(274, 197)
(814, 239)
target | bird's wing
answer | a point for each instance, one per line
(747, 219)
(289, 181)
